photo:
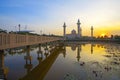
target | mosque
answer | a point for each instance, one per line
(73, 34)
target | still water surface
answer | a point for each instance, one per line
(73, 61)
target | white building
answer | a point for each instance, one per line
(73, 34)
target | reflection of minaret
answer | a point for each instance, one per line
(91, 48)
(40, 57)
(79, 28)
(3, 69)
(28, 59)
(64, 31)
(91, 31)
(78, 52)
(64, 52)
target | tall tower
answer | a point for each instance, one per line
(64, 30)
(79, 28)
(91, 31)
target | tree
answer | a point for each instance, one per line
(3, 31)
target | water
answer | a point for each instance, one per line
(73, 61)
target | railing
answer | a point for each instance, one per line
(16, 40)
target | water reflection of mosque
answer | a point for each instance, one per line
(74, 47)
(48, 55)
(112, 52)
(43, 57)
(98, 69)
(79, 48)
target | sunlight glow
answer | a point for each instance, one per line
(103, 35)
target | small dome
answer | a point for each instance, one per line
(73, 32)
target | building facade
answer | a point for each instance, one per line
(73, 34)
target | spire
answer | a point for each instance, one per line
(78, 22)
(91, 27)
(79, 28)
(64, 25)
(64, 30)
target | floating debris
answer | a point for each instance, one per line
(82, 63)
(70, 77)
(107, 56)
(107, 68)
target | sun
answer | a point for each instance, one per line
(103, 34)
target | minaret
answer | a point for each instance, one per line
(91, 31)
(79, 28)
(64, 30)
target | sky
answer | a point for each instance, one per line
(48, 16)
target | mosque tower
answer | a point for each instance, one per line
(91, 31)
(64, 30)
(79, 28)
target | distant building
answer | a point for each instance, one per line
(73, 34)
(77, 34)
